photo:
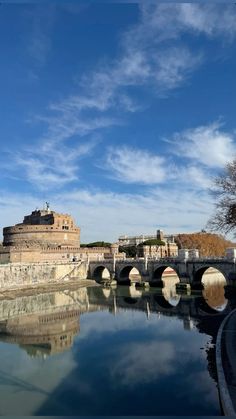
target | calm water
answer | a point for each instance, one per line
(97, 351)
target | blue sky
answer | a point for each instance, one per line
(118, 113)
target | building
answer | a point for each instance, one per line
(47, 236)
(169, 249)
(43, 228)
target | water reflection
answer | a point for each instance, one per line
(47, 324)
(214, 291)
(169, 290)
(42, 334)
(119, 340)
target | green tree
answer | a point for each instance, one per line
(130, 251)
(153, 242)
(96, 244)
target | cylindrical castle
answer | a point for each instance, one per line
(41, 229)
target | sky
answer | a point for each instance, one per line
(120, 114)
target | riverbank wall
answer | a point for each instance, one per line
(25, 275)
(225, 361)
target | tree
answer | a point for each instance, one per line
(208, 244)
(130, 251)
(224, 218)
(96, 244)
(153, 242)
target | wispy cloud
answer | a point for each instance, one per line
(174, 66)
(145, 60)
(196, 176)
(201, 150)
(208, 145)
(142, 362)
(168, 20)
(41, 21)
(49, 166)
(136, 166)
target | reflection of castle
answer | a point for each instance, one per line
(42, 334)
(44, 324)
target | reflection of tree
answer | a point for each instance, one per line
(211, 361)
(214, 292)
(19, 384)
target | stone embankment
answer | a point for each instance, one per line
(15, 276)
(226, 364)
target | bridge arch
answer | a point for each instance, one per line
(101, 273)
(157, 276)
(199, 273)
(203, 307)
(124, 275)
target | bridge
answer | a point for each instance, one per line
(189, 271)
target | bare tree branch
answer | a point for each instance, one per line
(225, 192)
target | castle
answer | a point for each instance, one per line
(43, 228)
(45, 236)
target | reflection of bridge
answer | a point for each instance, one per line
(187, 307)
(47, 323)
(189, 271)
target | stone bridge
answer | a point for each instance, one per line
(189, 271)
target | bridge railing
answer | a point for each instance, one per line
(165, 260)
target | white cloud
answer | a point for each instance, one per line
(197, 176)
(109, 215)
(205, 149)
(50, 166)
(211, 19)
(174, 65)
(207, 145)
(168, 20)
(69, 124)
(136, 166)
(144, 362)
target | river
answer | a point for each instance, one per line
(111, 351)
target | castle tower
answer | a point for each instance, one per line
(43, 228)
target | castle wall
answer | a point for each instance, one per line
(56, 254)
(16, 235)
